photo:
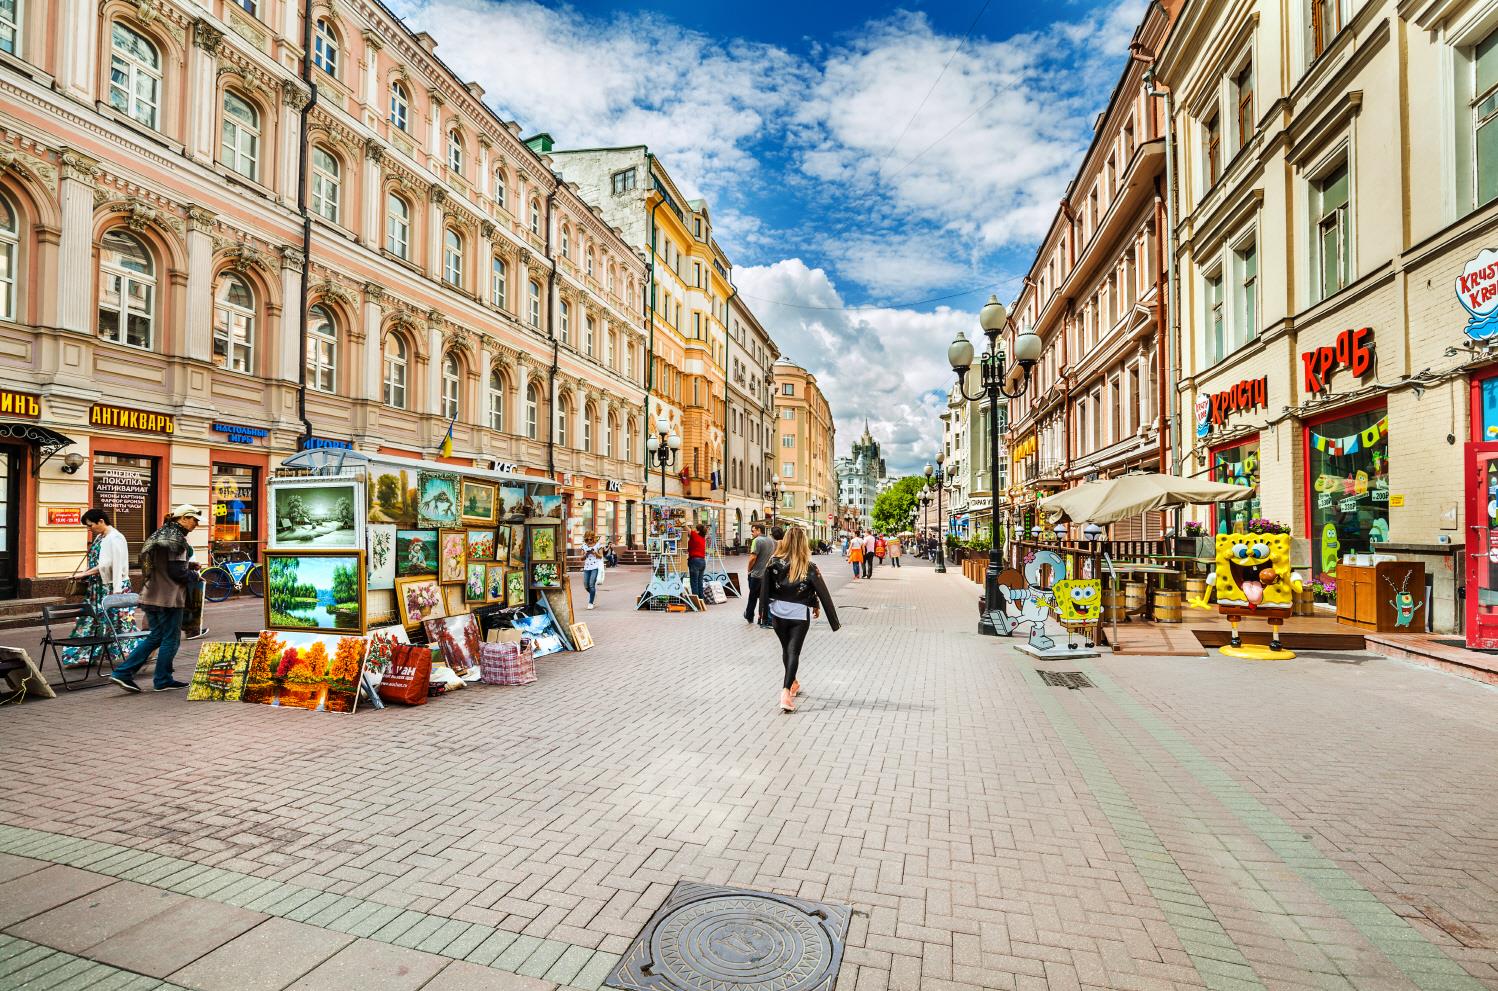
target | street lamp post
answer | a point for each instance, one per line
(925, 501)
(663, 446)
(772, 495)
(937, 479)
(812, 506)
(994, 371)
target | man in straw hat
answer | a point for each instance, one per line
(163, 560)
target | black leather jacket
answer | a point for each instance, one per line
(809, 591)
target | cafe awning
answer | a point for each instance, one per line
(46, 440)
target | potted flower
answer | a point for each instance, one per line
(1263, 526)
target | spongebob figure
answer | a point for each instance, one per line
(1077, 605)
(1252, 577)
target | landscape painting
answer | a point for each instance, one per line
(317, 671)
(317, 512)
(438, 500)
(314, 590)
(478, 502)
(458, 637)
(415, 553)
(547, 507)
(381, 559)
(503, 537)
(221, 671)
(452, 554)
(512, 505)
(392, 495)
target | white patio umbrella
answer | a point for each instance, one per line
(1112, 499)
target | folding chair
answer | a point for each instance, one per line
(123, 642)
(57, 616)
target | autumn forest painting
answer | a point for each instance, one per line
(315, 671)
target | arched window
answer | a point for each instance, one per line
(452, 382)
(535, 303)
(588, 335)
(566, 241)
(397, 227)
(327, 176)
(627, 448)
(588, 262)
(325, 48)
(234, 325)
(611, 356)
(499, 283)
(10, 26)
(396, 362)
(608, 437)
(322, 350)
(127, 291)
(240, 146)
(134, 75)
(590, 427)
(499, 189)
(530, 411)
(564, 316)
(496, 400)
(400, 106)
(10, 256)
(452, 258)
(455, 151)
(562, 414)
(536, 217)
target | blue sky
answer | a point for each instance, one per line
(874, 169)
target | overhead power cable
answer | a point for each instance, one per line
(945, 66)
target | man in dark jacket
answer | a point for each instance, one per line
(163, 559)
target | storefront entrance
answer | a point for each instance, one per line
(11, 461)
(125, 487)
(1482, 546)
(1347, 485)
(235, 508)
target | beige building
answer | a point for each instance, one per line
(178, 314)
(805, 477)
(1336, 181)
(751, 420)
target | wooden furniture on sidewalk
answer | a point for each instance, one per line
(1370, 596)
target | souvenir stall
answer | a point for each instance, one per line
(398, 579)
(670, 520)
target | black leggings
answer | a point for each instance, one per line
(792, 634)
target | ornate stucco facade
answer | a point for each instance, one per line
(803, 455)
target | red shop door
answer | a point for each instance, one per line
(1482, 546)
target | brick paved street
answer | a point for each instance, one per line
(1329, 822)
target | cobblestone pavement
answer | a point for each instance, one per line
(1325, 823)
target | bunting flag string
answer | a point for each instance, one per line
(1352, 443)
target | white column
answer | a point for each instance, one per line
(75, 249)
(372, 75)
(197, 341)
(202, 69)
(291, 292)
(434, 140)
(372, 357)
(77, 32)
(374, 198)
(522, 382)
(486, 365)
(580, 413)
(293, 98)
(434, 370)
(435, 222)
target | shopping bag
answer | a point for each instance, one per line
(408, 675)
(506, 664)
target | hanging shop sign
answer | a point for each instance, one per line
(1477, 290)
(322, 443)
(1248, 395)
(22, 404)
(1024, 448)
(64, 517)
(236, 433)
(1352, 351)
(142, 421)
(614, 486)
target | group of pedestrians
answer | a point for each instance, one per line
(786, 592)
(865, 548)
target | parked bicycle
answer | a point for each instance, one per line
(231, 572)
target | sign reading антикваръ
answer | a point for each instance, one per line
(1477, 289)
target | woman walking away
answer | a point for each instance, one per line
(797, 595)
(855, 556)
(594, 553)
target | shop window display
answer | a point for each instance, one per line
(234, 488)
(1348, 472)
(1238, 465)
(125, 487)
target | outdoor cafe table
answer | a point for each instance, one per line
(1152, 574)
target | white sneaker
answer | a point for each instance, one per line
(590, 605)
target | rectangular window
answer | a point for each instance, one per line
(624, 181)
(1212, 147)
(1351, 482)
(1326, 22)
(1243, 90)
(788, 469)
(497, 287)
(1215, 343)
(787, 389)
(1246, 285)
(789, 440)
(10, 26)
(1485, 117)
(1333, 242)
(234, 506)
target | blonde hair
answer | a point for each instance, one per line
(796, 550)
(591, 537)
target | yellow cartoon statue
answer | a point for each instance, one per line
(1252, 577)
(1077, 604)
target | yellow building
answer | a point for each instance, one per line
(804, 474)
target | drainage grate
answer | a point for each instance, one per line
(709, 938)
(1064, 679)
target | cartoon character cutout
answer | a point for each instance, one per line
(1405, 606)
(1330, 546)
(1252, 574)
(1078, 600)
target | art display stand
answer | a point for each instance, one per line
(667, 544)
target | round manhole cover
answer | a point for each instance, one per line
(708, 938)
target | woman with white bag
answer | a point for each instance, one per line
(594, 553)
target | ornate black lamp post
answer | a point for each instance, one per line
(993, 384)
(663, 446)
(772, 496)
(936, 479)
(925, 502)
(812, 506)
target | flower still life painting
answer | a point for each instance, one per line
(419, 600)
(515, 587)
(481, 545)
(545, 576)
(381, 559)
(452, 555)
(474, 587)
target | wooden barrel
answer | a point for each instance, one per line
(1167, 607)
(1113, 606)
(1133, 596)
(1196, 588)
(1305, 602)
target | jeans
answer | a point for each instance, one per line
(696, 567)
(857, 569)
(868, 567)
(165, 636)
(792, 634)
(590, 582)
(755, 582)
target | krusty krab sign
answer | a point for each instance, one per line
(1477, 289)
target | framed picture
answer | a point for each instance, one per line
(382, 639)
(480, 545)
(452, 598)
(437, 502)
(381, 559)
(478, 501)
(543, 543)
(392, 495)
(545, 575)
(318, 671)
(542, 632)
(314, 591)
(494, 579)
(547, 507)
(419, 599)
(221, 671)
(515, 586)
(319, 512)
(415, 553)
(581, 638)
(458, 638)
(475, 582)
(504, 536)
(512, 506)
(452, 555)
